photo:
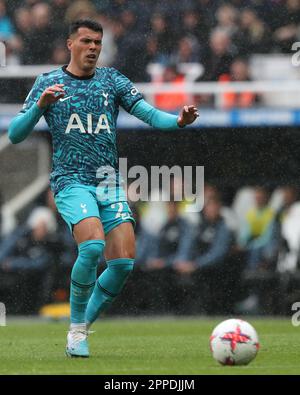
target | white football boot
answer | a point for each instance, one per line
(77, 345)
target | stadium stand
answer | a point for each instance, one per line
(179, 42)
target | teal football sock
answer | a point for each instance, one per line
(83, 277)
(108, 286)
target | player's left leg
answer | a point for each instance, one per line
(119, 254)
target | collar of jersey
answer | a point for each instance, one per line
(87, 77)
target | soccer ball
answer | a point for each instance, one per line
(234, 342)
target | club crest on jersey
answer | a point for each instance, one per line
(76, 123)
(105, 95)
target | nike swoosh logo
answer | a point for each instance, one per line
(65, 98)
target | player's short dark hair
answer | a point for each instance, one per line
(89, 23)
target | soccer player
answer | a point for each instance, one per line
(80, 103)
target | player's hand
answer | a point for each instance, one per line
(51, 95)
(187, 115)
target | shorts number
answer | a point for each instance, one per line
(120, 209)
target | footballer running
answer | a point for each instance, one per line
(80, 103)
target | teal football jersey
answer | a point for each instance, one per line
(83, 123)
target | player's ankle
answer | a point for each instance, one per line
(88, 325)
(79, 326)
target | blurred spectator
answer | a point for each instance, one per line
(160, 28)
(27, 255)
(152, 54)
(31, 3)
(253, 27)
(22, 18)
(239, 72)
(219, 57)
(194, 24)
(168, 239)
(38, 42)
(287, 219)
(23, 26)
(248, 24)
(253, 36)
(113, 7)
(204, 256)
(208, 8)
(208, 245)
(1, 204)
(290, 195)
(58, 11)
(129, 46)
(187, 51)
(109, 48)
(60, 53)
(227, 213)
(6, 26)
(172, 101)
(80, 9)
(285, 35)
(258, 233)
(227, 17)
(260, 239)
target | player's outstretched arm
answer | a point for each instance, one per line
(161, 119)
(22, 125)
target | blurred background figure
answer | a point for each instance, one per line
(6, 25)
(259, 238)
(258, 232)
(171, 101)
(220, 55)
(39, 41)
(247, 241)
(26, 259)
(253, 35)
(206, 256)
(238, 72)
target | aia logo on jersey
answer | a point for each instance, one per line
(75, 123)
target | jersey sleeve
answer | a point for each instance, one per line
(127, 93)
(24, 122)
(35, 93)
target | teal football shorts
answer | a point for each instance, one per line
(77, 202)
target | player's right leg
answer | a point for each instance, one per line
(79, 209)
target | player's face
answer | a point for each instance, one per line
(85, 46)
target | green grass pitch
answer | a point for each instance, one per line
(143, 346)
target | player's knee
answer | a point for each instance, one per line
(130, 255)
(123, 266)
(91, 249)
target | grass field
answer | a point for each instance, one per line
(143, 346)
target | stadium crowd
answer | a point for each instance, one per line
(240, 258)
(228, 257)
(213, 33)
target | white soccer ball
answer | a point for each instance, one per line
(234, 342)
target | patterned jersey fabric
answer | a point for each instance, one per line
(83, 123)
